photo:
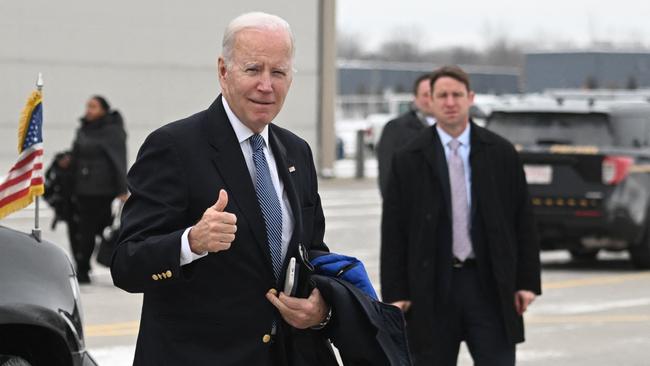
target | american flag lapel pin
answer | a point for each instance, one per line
(292, 169)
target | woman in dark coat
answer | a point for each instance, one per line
(99, 163)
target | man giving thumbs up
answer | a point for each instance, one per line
(220, 201)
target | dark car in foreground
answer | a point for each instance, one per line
(40, 312)
(587, 164)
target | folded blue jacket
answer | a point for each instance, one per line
(347, 268)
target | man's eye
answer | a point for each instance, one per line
(279, 73)
(251, 70)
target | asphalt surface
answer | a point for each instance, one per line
(591, 313)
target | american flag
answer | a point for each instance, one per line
(25, 179)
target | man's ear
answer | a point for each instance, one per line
(221, 67)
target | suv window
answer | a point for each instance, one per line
(541, 128)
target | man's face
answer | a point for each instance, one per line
(423, 97)
(450, 103)
(258, 77)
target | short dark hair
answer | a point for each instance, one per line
(451, 71)
(420, 79)
(102, 102)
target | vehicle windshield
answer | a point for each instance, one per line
(540, 128)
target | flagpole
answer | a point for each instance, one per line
(37, 230)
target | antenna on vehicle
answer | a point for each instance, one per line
(36, 232)
(591, 101)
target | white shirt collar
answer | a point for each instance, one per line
(463, 138)
(242, 131)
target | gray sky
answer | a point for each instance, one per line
(473, 23)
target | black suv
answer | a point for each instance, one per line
(40, 313)
(587, 163)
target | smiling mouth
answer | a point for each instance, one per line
(261, 102)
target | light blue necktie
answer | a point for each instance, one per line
(269, 203)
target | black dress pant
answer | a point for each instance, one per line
(472, 314)
(93, 214)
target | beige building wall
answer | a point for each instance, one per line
(154, 60)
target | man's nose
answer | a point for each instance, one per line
(450, 100)
(264, 84)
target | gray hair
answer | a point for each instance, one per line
(253, 20)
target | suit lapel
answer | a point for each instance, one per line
(283, 163)
(484, 209)
(477, 164)
(229, 162)
(434, 154)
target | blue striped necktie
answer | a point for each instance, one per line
(269, 203)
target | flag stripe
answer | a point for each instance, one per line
(23, 192)
(27, 160)
(15, 188)
(17, 173)
(14, 181)
(19, 201)
(29, 176)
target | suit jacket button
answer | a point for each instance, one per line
(266, 338)
(155, 277)
(169, 274)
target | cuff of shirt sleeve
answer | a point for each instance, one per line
(187, 255)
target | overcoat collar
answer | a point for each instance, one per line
(428, 144)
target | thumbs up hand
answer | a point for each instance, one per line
(216, 229)
(222, 201)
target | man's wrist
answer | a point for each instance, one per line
(189, 242)
(323, 322)
(187, 255)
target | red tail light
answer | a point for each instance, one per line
(616, 168)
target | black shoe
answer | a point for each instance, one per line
(83, 278)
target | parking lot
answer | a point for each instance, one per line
(591, 313)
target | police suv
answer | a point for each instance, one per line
(587, 163)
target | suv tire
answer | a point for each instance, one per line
(7, 360)
(640, 253)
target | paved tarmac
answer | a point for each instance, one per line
(591, 313)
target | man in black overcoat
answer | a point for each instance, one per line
(459, 253)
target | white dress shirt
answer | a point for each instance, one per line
(243, 133)
(463, 150)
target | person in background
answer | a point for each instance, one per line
(98, 162)
(459, 250)
(401, 130)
